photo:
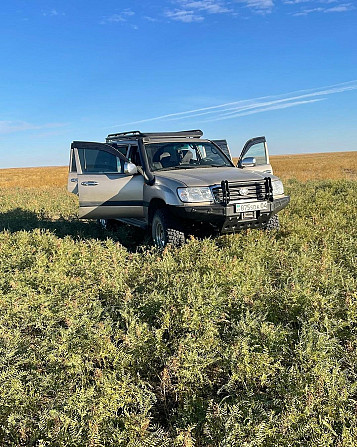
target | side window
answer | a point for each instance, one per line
(212, 154)
(122, 149)
(73, 167)
(258, 152)
(99, 161)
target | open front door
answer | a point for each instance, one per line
(255, 156)
(105, 191)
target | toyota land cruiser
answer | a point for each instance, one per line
(175, 183)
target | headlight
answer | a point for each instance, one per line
(203, 194)
(278, 188)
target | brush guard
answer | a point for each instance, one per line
(225, 192)
(268, 189)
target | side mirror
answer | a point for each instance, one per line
(248, 162)
(130, 168)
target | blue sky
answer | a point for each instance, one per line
(78, 70)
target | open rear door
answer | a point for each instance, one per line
(255, 156)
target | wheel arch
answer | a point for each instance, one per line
(154, 205)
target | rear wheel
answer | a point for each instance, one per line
(165, 230)
(273, 223)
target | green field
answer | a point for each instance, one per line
(244, 340)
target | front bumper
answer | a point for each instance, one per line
(225, 219)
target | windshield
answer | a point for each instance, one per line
(176, 155)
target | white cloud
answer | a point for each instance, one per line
(209, 6)
(52, 13)
(305, 12)
(194, 11)
(260, 6)
(183, 15)
(123, 16)
(341, 8)
(264, 109)
(151, 19)
(255, 105)
(189, 11)
(8, 126)
(297, 2)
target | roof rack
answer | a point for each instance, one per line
(129, 134)
(157, 135)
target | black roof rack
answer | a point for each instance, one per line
(131, 133)
(137, 133)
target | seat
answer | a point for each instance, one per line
(187, 157)
(165, 160)
(156, 165)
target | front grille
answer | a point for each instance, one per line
(256, 191)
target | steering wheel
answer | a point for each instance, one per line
(207, 161)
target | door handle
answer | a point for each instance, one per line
(89, 183)
(74, 180)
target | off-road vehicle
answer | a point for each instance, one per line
(175, 184)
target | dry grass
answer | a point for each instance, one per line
(34, 177)
(321, 166)
(332, 165)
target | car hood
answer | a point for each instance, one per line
(211, 176)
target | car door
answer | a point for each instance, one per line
(224, 147)
(72, 182)
(255, 156)
(105, 191)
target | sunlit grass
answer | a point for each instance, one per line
(47, 177)
(319, 166)
(243, 340)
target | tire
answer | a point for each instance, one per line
(166, 231)
(273, 223)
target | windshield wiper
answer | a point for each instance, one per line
(212, 166)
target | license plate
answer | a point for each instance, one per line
(255, 206)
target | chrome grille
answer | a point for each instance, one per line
(256, 191)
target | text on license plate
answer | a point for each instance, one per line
(255, 206)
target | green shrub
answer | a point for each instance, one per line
(243, 340)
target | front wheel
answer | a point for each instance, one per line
(273, 223)
(165, 231)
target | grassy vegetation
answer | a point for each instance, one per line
(325, 166)
(245, 340)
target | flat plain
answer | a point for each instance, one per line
(333, 166)
(243, 340)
